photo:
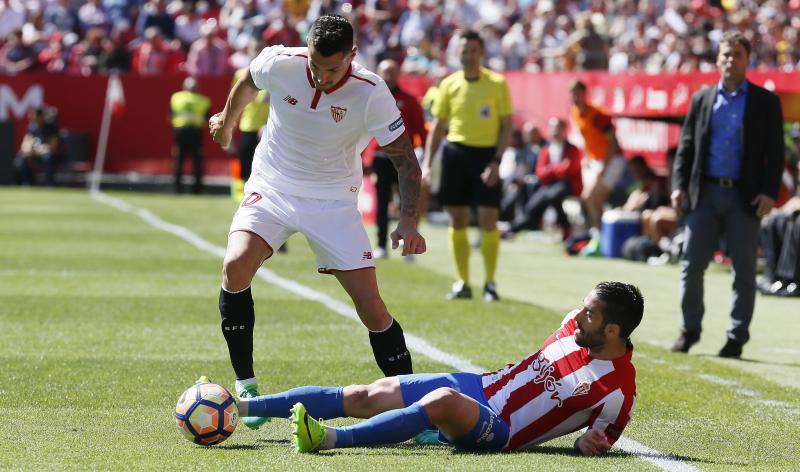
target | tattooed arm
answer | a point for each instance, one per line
(409, 176)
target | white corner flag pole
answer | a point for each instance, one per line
(113, 89)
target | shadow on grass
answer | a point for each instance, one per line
(755, 361)
(569, 451)
(238, 447)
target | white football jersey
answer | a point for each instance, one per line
(313, 141)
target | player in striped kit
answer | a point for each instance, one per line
(581, 377)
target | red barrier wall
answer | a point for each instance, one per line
(141, 136)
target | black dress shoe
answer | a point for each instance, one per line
(731, 349)
(686, 340)
(764, 286)
(792, 289)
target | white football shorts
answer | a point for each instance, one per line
(615, 170)
(333, 228)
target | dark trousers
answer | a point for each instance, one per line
(189, 141)
(720, 214)
(780, 240)
(545, 196)
(514, 198)
(247, 148)
(386, 180)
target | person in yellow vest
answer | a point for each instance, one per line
(254, 117)
(189, 111)
(474, 105)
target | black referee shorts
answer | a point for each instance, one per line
(461, 183)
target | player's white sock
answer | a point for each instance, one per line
(330, 439)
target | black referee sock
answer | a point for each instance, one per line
(391, 353)
(238, 319)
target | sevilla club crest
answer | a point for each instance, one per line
(338, 113)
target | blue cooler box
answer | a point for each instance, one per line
(617, 227)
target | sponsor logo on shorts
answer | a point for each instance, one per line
(338, 113)
(366, 256)
(251, 199)
(396, 124)
(487, 435)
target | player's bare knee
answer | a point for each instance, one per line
(440, 403)
(357, 400)
(237, 272)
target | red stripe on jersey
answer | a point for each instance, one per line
(362, 78)
(317, 95)
(545, 381)
(556, 416)
(310, 79)
(520, 397)
(491, 389)
(573, 361)
(567, 330)
(341, 81)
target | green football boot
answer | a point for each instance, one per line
(309, 434)
(202, 380)
(252, 422)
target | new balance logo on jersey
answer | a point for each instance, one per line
(290, 99)
(366, 256)
(582, 388)
(338, 113)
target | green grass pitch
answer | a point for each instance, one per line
(105, 320)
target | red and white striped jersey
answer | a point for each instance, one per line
(560, 389)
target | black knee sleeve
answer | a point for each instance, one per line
(391, 353)
(238, 319)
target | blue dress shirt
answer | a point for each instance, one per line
(725, 147)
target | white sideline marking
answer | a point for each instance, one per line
(719, 380)
(659, 459)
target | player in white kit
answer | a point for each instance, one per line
(306, 177)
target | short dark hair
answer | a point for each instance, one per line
(472, 35)
(577, 84)
(736, 37)
(624, 305)
(330, 34)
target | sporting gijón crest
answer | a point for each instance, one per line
(338, 113)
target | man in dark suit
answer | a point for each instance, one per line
(727, 173)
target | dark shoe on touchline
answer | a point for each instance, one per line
(731, 349)
(460, 291)
(686, 340)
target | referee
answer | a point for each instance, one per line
(474, 105)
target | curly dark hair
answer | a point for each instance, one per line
(624, 305)
(330, 34)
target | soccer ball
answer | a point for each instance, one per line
(206, 414)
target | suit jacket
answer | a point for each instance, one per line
(762, 145)
(569, 168)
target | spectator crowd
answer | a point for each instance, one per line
(215, 37)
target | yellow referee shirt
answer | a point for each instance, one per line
(473, 107)
(255, 114)
(189, 109)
